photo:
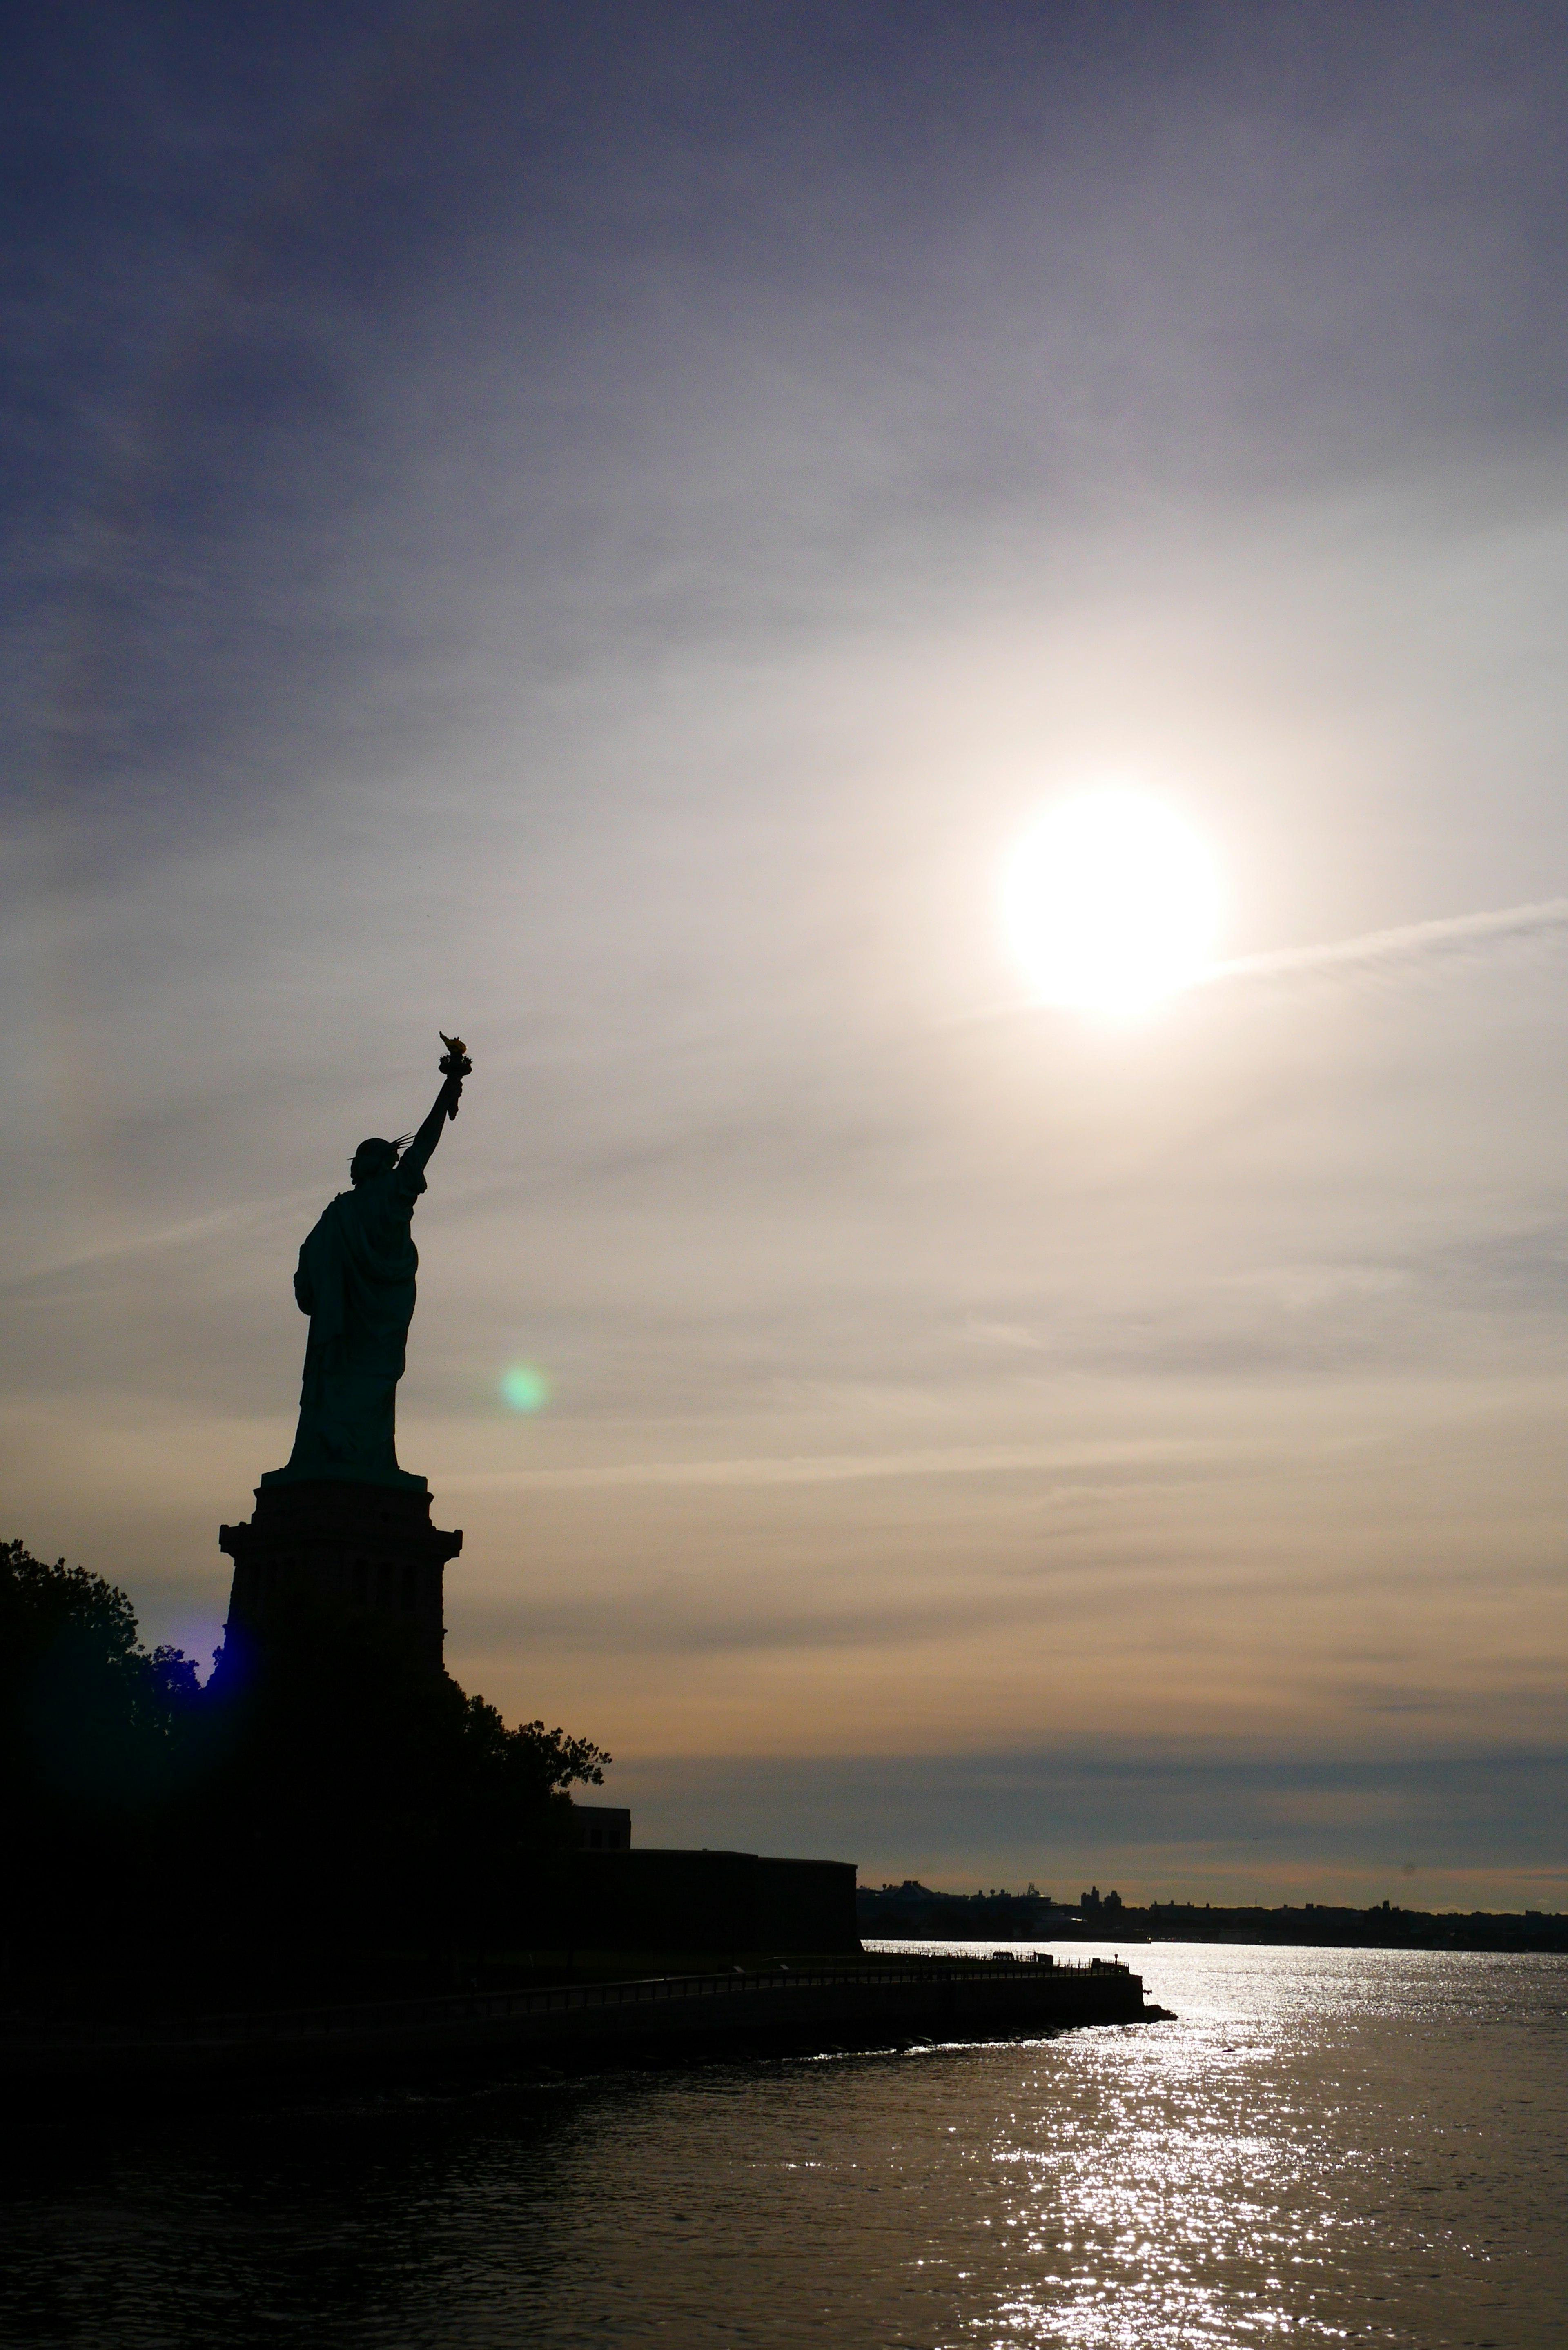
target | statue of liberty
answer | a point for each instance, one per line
(356, 1281)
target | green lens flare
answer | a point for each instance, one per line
(525, 1388)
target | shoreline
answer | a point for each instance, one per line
(670, 2018)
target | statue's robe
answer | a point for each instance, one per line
(356, 1280)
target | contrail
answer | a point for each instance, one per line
(1412, 938)
(1407, 943)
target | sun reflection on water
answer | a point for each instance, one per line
(1327, 2147)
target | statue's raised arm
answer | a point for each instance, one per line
(357, 1282)
(454, 1065)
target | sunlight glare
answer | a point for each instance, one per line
(1110, 902)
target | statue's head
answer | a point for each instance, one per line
(374, 1157)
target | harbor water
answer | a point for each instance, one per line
(1325, 2146)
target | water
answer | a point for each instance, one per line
(1329, 2147)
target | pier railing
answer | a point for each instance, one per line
(375, 2017)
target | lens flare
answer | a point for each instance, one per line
(1111, 902)
(525, 1388)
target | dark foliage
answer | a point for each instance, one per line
(90, 1722)
(324, 1798)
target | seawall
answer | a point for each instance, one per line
(669, 2018)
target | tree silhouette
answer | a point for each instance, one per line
(325, 1794)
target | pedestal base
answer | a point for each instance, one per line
(365, 1546)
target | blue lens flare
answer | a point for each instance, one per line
(525, 1388)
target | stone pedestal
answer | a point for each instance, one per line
(366, 1546)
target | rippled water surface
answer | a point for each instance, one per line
(1327, 2147)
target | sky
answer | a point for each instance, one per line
(600, 528)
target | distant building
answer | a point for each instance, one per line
(917, 1910)
(602, 1827)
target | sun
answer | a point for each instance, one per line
(1110, 902)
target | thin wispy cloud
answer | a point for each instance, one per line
(832, 1469)
(242, 1217)
(1408, 942)
(1404, 943)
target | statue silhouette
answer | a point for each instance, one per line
(356, 1280)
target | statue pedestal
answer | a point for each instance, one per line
(365, 1546)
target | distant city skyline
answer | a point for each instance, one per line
(602, 529)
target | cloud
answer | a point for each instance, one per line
(1478, 1824)
(833, 1469)
(1407, 942)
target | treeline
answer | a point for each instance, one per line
(915, 1911)
(1384, 1925)
(321, 1805)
